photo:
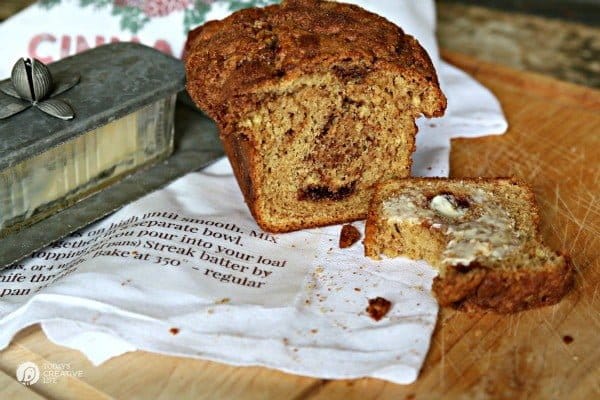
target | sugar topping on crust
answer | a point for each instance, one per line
(254, 47)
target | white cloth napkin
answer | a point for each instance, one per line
(299, 301)
(307, 317)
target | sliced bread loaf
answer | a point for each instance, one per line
(316, 102)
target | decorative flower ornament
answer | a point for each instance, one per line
(31, 83)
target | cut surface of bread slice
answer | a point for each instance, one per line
(480, 234)
(316, 102)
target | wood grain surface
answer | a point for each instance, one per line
(553, 143)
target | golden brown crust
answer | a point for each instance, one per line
(371, 225)
(302, 225)
(241, 154)
(228, 60)
(505, 291)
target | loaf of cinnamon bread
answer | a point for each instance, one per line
(316, 102)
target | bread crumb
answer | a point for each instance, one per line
(378, 308)
(348, 236)
(568, 339)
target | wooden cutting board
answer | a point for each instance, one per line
(549, 353)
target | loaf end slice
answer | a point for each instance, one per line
(480, 234)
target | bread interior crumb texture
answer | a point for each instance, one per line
(326, 139)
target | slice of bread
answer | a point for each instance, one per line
(480, 234)
(316, 102)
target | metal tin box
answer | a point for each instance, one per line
(124, 110)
